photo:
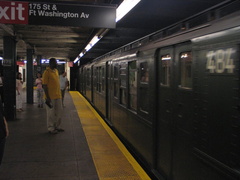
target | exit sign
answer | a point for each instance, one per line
(13, 12)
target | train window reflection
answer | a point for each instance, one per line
(123, 81)
(94, 78)
(123, 67)
(88, 77)
(115, 70)
(103, 79)
(144, 106)
(165, 70)
(186, 70)
(143, 89)
(116, 89)
(98, 76)
(144, 75)
(116, 83)
(132, 85)
(123, 95)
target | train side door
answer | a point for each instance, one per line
(165, 110)
(183, 112)
(175, 110)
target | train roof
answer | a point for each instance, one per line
(194, 29)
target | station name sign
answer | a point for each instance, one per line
(56, 14)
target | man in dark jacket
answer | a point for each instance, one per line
(3, 131)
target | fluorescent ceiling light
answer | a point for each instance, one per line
(88, 47)
(77, 58)
(81, 54)
(94, 40)
(61, 62)
(125, 7)
(46, 61)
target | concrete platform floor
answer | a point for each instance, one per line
(86, 150)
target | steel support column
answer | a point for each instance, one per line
(30, 76)
(9, 73)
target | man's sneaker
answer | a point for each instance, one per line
(59, 129)
(53, 131)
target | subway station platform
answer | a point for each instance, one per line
(86, 150)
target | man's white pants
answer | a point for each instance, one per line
(54, 115)
(19, 102)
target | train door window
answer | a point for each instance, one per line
(115, 83)
(143, 89)
(116, 89)
(165, 71)
(186, 70)
(103, 79)
(123, 83)
(144, 72)
(123, 95)
(95, 78)
(98, 79)
(88, 77)
(132, 71)
(116, 71)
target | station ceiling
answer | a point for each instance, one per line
(65, 43)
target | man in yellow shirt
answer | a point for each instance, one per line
(51, 86)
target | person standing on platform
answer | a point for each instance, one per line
(38, 82)
(63, 84)
(4, 132)
(51, 86)
(19, 84)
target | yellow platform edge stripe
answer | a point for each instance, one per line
(120, 145)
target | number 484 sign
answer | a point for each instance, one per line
(221, 61)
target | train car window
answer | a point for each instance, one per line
(143, 89)
(115, 81)
(132, 68)
(98, 82)
(100, 79)
(95, 78)
(144, 72)
(143, 101)
(123, 96)
(116, 70)
(165, 70)
(186, 70)
(123, 67)
(116, 89)
(103, 79)
(123, 83)
(123, 70)
(88, 77)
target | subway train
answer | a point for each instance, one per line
(173, 96)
